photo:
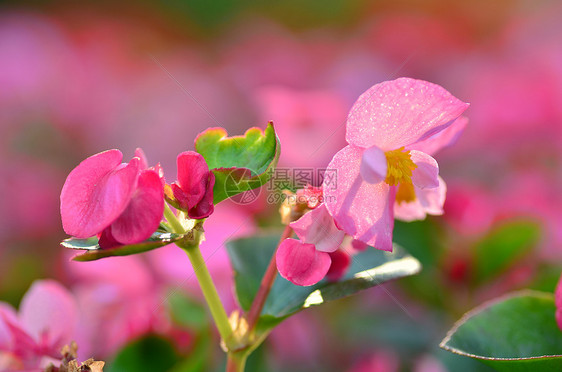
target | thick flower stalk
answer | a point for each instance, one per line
(386, 165)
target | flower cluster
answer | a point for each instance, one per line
(385, 171)
(123, 203)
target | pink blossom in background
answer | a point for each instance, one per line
(309, 123)
(558, 303)
(383, 129)
(46, 321)
(380, 361)
(121, 201)
(119, 299)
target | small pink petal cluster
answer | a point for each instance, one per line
(46, 321)
(123, 203)
(387, 170)
(194, 189)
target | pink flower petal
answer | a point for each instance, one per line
(428, 201)
(341, 260)
(142, 157)
(362, 210)
(301, 263)
(398, 113)
(317, 227)
(205, 207)
(445, 138)
(373, 165)
(7, 315)
(49, 313)
(96, 192)
(425, 175)
(143, 214)
(193, 177)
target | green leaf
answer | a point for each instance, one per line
(250, 257)
(94, 252)
(502, 247)
(149, 354)
(516, 332)
(187, 312)
(240, 163)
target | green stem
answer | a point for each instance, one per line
(210, 292)
(173, 220)
(235, 363)
(191, 247)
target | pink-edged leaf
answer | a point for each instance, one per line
(96, 192)
(142, 216)
(317, 227)
(401, 112)
(301, 263)
(427, 172)
(362, 210)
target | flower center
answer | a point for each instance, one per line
(399, 167)
(399, 172)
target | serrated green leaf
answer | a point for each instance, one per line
(517, 332)
(250, 257)
(94, 252)
(240, 163)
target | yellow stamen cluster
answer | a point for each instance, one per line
(399, 172)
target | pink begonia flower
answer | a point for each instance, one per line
(381, 164)
(122, 202)
(46, 321)
(341, 260)
(194, 188)
(307, 261)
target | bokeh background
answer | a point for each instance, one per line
(77, 78)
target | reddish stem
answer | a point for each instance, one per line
(265, 285)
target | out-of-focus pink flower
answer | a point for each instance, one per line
(46, 321)
(194, 188)
(558, 302)
(307, 261)
(382, 165)
(124, 202)
(300, 116)
(380, 361)
(341, 260)
(119, 299)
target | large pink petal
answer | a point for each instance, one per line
(49, 313)
(373, 165)
(301, 263)
(425, 175)
(142, 157)
(398, 113)
(445, 138)
(96, 192)
(362, 210)
(193, 177)
(428, 201)
(317, 227)
(144, 212)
